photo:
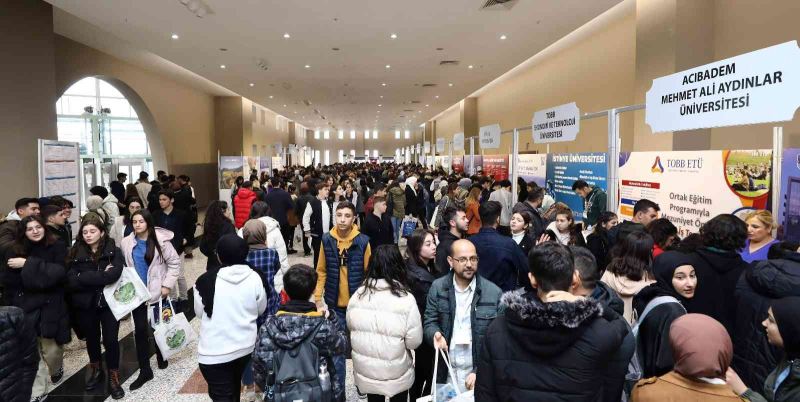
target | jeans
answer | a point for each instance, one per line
(224, 379)
(396, 224)
(339, 361)
(141, 335)
(247, 376)
(91, 321)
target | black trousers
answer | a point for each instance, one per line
(423, 371)
(224, 379)
(316, 244)
(306, 246)
(286, 232)
(401, 397)
(90, 322)
(141, 335)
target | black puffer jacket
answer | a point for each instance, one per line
(295, 322)
(608, 298)
(38, 289)
(86, 277)
(614, 309)
(556, 351)
(718, 273)
(19, 356)
(753, 356)
(652, 344)
(420, 280)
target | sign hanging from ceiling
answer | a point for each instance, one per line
(427, 147)
(757, 87)
(490, 136)
(556, 124)
(440, 145)
(458, 141)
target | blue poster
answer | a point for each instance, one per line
(789, 207)
(565, 169)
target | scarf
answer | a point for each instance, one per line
(255, 233)
(701, 346)
(787, 315)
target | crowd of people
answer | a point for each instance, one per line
(428, 281)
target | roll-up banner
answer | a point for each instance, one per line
(691, 187)
(533, 168)
(496, 166)
(458, 141)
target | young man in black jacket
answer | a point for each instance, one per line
(454, 226)
(549, 344)
(378, 225)
(179, 223)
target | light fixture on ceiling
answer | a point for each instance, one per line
(308, 66)
(284, 105)
(437, 96)
(450, 84)
(388, 66)
(196, 7)
(222, 66)
(175, 36)
(470, 67)
(271, 96)
(252, 85)
(286, 36)
(427, 105)
(379, 105)
(393, 36)
(383, 84)
(381, 96)
(503, 37)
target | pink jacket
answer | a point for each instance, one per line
(163, 271)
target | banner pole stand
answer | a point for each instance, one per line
(450, 161)
(471, 156)
(514, 164)
(612, 163)
(777, 165)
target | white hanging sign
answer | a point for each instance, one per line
(557, 124)
(440, 145)
(458, 141)
(490, 136)
(757, 87)
(427, 147)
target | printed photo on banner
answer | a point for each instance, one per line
(252, 164)
(229, 168)
(496, 166)
(692, 187)
(564, 169)
(473, 169)
(458, 164)
(789, 211)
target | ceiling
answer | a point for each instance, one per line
(345, 85)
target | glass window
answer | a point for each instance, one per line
(366, 134)
(397, 134)
(374, 153)
(316, 134)
(407, 135)
(341, 134)
(352, 134)
(327, 135)
(374, 134)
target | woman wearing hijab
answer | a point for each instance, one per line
(783, 330)
(657, 306)
(702, 351)
(411, 197)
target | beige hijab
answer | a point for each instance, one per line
(255, 234)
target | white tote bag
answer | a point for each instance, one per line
(127, 293)
(446, 392)
(174, 335)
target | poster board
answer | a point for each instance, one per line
(60, 172)
(458, 164)
(277, 163)
(789, 211)
(496, 166)
(564, 169)
(229, 168)
(691, 187)
(252, 163)
(471, 170)
(533, 168)
(265, 165)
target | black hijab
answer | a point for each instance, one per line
(231, 250)
(787, 315)
(664, 268)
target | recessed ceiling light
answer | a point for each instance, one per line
(381, 96)
(469, 67)
(284, 105)
(437, 96)
(502, 37)
(286, 36)
(252, 85)
(383, 84)
(450, 84)
(379, 111)
(175, 36)
(388, 66)
(271, 96)
(427, 105)
(308, 66)
(222, 66)
(393, 36)
(379, 105)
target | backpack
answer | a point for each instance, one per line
(635, 373)
(294, 375)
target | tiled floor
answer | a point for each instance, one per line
(181, 381)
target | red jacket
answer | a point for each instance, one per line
(241, 206)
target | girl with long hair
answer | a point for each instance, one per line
(93, 263)
(33, 273)
(599, 242)
(565, 229)
(217, 224)
(473, 203)
(421, 272)
(631, 268)
(148, 249)
(122, 224)
(385, 326)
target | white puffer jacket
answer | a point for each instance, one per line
(384, 329)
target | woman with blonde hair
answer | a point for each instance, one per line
(473, 203)
(760, 225)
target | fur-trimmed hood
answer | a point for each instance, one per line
(547, 329)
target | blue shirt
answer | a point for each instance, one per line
(758, 255)
(141, 265)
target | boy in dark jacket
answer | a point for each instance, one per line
(295, 321)
(19, 356)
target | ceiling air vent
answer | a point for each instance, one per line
(262, 64)
(498, 4)
(307, 102)
(413, 102)
(449, 63)
(428, 85)
(408, 110)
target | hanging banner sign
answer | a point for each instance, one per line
(490, 136)
(427, 147)
(756, 87)
(440, 145)
(691, 187)
(458, 141)
(418, 147)
(557, 124)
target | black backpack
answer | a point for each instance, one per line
(294, 374)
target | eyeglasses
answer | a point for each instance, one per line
(463, 260)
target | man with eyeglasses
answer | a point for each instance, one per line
(461, 330)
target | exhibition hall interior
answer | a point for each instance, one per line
(684, 105)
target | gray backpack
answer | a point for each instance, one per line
(294, 375)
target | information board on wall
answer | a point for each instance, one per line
(533, 168)
(564, 169)
(756, 87)
(277, 163)
(556, 124)
(496, 166)
(265, 165)
(691, 187)
(59, 172)
(458, 141)
(440, 145)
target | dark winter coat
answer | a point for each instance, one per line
(557, 351)
(652, 343)
(208, 245)
(600, 246)
(789, 390)
(443, 250)
(718, 273)
(38, 289)
(501, 259)
(420, 280)
(62, 233)
(293, 323)
(613, 310)
(412, 203)
(86, 277)
(8, 234)
(619, 232)
(179, 223)
(19, 356)
(280, 203)
(440, 308)
(767, 281)
(379, 230)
